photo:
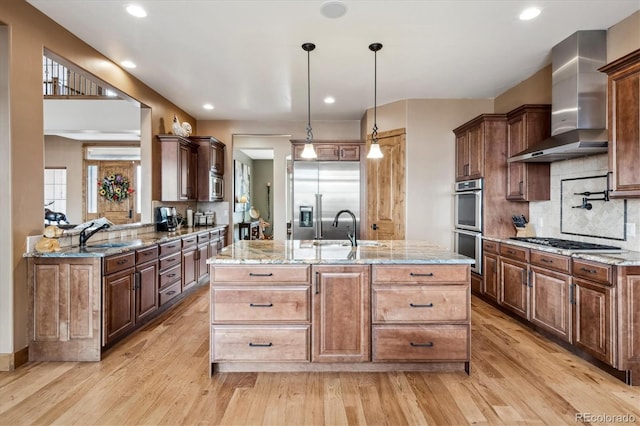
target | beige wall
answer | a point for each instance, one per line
(624, 37)
(28, 32)
(534, 90)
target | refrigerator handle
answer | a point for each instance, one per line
(318, 216)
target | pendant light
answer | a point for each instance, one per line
(308, 151)
(374, 149)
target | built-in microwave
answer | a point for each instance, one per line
(468, 205)
(216, 187)
(469, 243)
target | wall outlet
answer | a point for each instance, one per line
(631, 229)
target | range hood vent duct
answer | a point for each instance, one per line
(579, 93)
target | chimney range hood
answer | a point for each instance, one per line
(578, 110)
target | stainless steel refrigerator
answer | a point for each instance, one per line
(320, 190)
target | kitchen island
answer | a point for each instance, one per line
(326, 306)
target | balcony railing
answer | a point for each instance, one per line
(61, 81)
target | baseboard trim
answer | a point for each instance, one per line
(9, 362)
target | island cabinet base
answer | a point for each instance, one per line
(300, 317)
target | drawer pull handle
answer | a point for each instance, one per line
(589, 271)
(422, 345)
(545, 260)
(259, 305)
(414, 305)
(122, 262)
(171, 293)
(171, 275)
(511, 252)
(260, 345)
(171, 246)
(252, 274)
(415, 274)
(171, 260)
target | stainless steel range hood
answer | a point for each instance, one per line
(578, 111)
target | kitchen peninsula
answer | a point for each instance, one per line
(322, 305)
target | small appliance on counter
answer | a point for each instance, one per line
(166, 219)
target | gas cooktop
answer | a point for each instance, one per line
(574, 246)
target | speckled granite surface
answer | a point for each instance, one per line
(108, 247)
(625, 258)
(335, 252)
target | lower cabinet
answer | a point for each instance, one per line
(119, 296)
(341, 313)
(490, 270)
(593, 319)
(189, 262)
(146, 289)
(514, 289)
(319, 317)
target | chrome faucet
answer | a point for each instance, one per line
(352, 237)
(85, 236)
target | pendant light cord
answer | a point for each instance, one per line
(309, 133)
(374, 47)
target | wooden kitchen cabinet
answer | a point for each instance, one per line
(170, 271)
(211, 158)
(179, 166)
(330, 150)
(189, 262)
(58, 329)
(550, 293)
(146, 283)
(628, 292)
(490, 274)
(527, 125)
(341, 328)
(593, 309)
(473, 140)
(624, 125)
(514, 279)
(119, 296)
(202, 253)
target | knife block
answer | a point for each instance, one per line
(527, 231)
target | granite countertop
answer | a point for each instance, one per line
(112, 246)
(624, 258)
(336, 252)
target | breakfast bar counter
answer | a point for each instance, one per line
(326, 306)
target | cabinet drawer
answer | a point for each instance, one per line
(421, 274)
(215, 233)
(402, 303)
(147, 254)
(170, 261)
(169, 248)
(593, 271)
(260, 343)
(513, 252)
(490, 246)
(170, 276)
(263, 304)
(421, 343)
(170, 292)
(245, 274)
(189, 241)
(550, 261)
(119, 262)
(204, 237)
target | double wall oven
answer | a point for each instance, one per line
(468, 221)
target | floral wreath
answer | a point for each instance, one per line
(115, 187)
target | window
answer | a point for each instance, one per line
(92, 189)
(55, 189)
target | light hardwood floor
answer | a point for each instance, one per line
(160, 376)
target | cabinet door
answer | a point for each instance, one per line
(146, 289)
(592, 319)
(516, 171)
(476, 152)
(201, 260)
(350, 153)
(514, 294)
(327, 152)
(189, 268)
(119, 308)
(217, 158)
(184, 160)
(341, 322)
(550, 302)
(462, 156)
(490, 276)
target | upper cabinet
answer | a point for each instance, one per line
(210, 168)
(473, 139)
(330, 150)
(178, 168)
(624, 124)
(527, 125)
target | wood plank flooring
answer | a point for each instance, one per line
(160, 376)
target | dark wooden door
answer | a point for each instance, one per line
(514, 294)
(550, 303)
(119, 309)
(592, 315)
(146, 289)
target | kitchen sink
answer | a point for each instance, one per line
(115, 244)
(346, 243)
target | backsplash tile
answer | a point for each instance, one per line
(546, 215)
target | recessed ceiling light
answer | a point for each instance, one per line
(529, 13)
(333, 9)
(136, 11)
(329, 100)
(128, 64)
(207, 106)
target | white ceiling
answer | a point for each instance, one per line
(245, 56)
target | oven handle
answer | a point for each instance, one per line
(471, 233)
